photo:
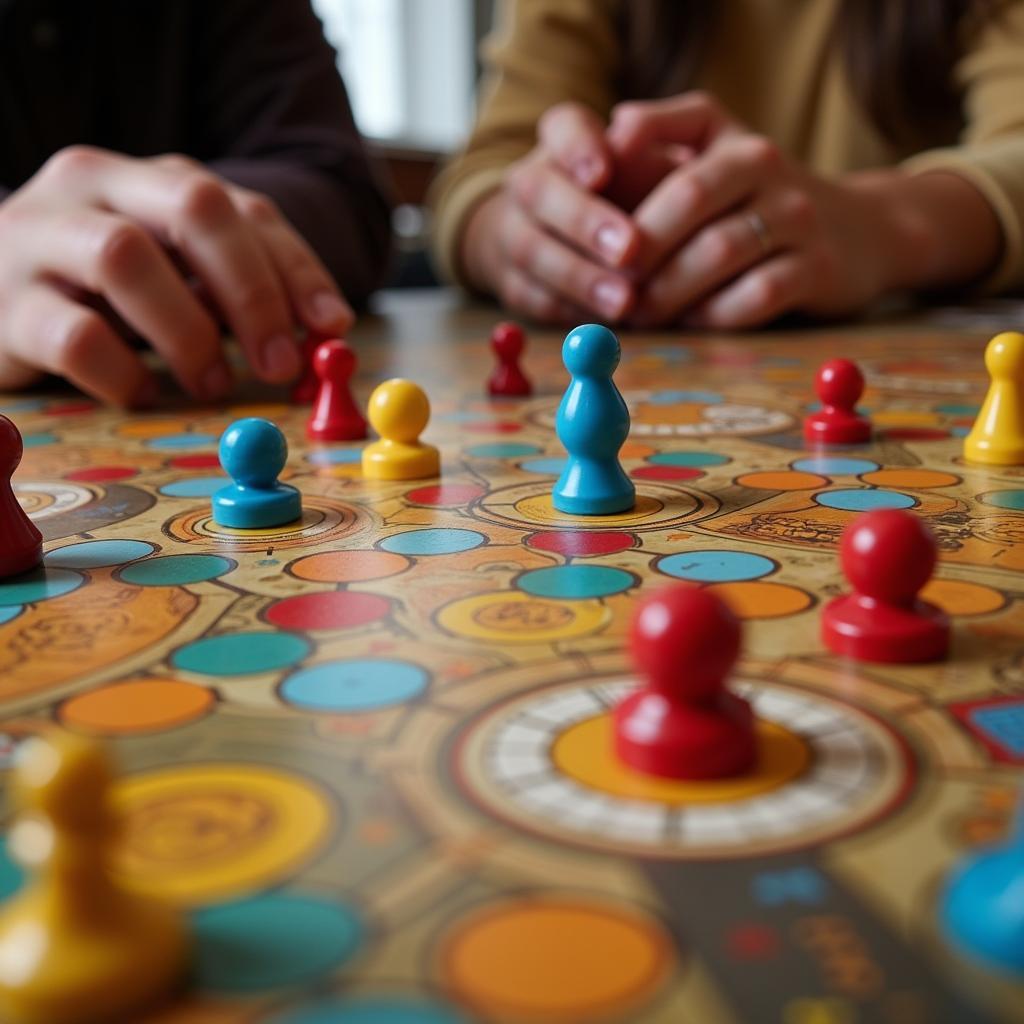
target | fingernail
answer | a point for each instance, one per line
(587, 170)
(280, 357)
(326, 309)
(215, 382)
(611, 297)
(612, 242)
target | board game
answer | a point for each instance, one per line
(370, 753)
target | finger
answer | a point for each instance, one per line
(564, 271)
(762, 294)
(591, 223)
(48, 330)
(574, 135)
(521, 293)
(692, 195)
(113, 257)
(310, 288)
(692, 119)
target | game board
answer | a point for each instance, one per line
(370, 754)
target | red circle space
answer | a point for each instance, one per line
(101, 474)
(581, 542)
(666, 473)
(445, 494)
(71, 409)
(334, 609)
(202, 460)
(493, 427)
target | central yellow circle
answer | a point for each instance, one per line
(516, 617)
(584, 752)
(538, 508)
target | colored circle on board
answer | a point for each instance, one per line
(436, 541)
(864, 499)
(371, 1009)
(194, 487)
(696, 460)
(22, 405)
(503, 450)
(353, 685)
(715, 566)
(271, 941)
(445, 495)
(1004, 499)
(963, 598)
(40, 440)
(11, 874)
(137, 706)
(98, 554)
(144, 429)
(335, 456)
(545, 467)
(782, 480)
(958, 409)
(101, 474)
(181, 441)
(239, 654)
(492, 427)
(577, 543)
(41, 584)
(834, 465)
(554, 958)
(177, 570)
(675, 396)
(505, 617)
(666, 473)
(10, 612)
(331, 609)
(202, 460)
(576, 582)
(915, 434)
(349, 566)
(913, 478)
(762, 600)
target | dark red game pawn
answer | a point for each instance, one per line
(683, 723)
(307, 386)
(21, 543)
(508, 379)
(839, 385)
(887, 555)
(335, 415)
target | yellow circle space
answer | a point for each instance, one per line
(548, 959)
(515, 617)
(959, 597)
(921, 478)
(782, 480)
(538, 508)
(137, 706)
(209, 831)
(905, 418)
(754, 599)
(584, 752)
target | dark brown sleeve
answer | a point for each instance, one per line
(273, 115)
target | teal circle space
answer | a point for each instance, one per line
(671, 397)
(692, 460)
(271, 941)
(576, 582)
(958, 409)
(715, 566)
(98, 554)
(1004, 499)
(177, 570)
(11, 874)
(546, 467)
(38, 440)
(335, 456)
(438, 541)
(182, 441)
(22, 405)
(835, 465)
(41, 584)
(503, 450)
(239, 654)
(371, 1010)
(353, 685)
(864, 500)
(10, 612)
(194, 487)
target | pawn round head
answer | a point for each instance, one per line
(253, 452)
(507, 340)
(334, 360)
(399, 410)
(591, 351)
(11, 447)
(1004, 356)
(888, 554)
(685, 640)
(839, 382)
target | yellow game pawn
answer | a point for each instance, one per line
(75, 946)
(399, 411)
(997, 437)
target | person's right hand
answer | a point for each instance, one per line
(547, 244)
(95, 230)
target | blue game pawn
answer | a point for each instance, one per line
(253, 452)
(983, 908)
(592, 423)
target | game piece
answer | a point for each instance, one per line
(592, 423)
(983, 907)
(253, 452)
(335, 415)
(399, 411)
(508, 379)
(308, 384)
(75, 945)
(839, 384)
(21, 543)
(683, 722)
(887, 555)
(997, 437)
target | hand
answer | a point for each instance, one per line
(94, 230)
(546, 244)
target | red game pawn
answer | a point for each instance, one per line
(508, 379)
(839, 385)
(21, 543)
(308, 384)
(683, 723)
(335, 415)
(887, 555)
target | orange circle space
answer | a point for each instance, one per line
(137, 706)
(348, 566)
(756, 599)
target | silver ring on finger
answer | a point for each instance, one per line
(760, 230)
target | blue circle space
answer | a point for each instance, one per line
(372, 1009)
(194, 487)
(353, 685)
(576, 582)
(97, 554)
(864, 499)
(8, 612)
(546, 467)
(715, 566)
(835, 465)
(172, 441)
(675, 396)
(41, 584)
(692, 460)
(438, 541)
(503, 450)
(334, 456)
(239, 654)
(176, 570)
(271, 941)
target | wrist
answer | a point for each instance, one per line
(475, 259)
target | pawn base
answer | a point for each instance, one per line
(866, 630)
(982, 451)
(351, 429)
(712, 740)
(509, 384)
(256, 508)
(831, 426)
(395, 460)
(14, 563)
